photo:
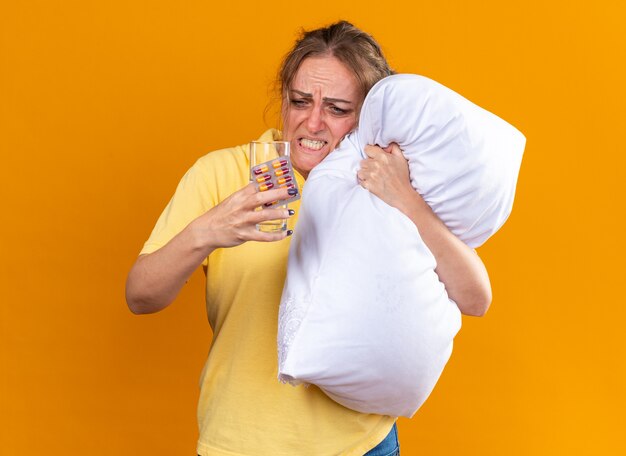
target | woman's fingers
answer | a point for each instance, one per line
(253, 198)
(261, 236)
(234, 220)
(374, 151)
(263, 215)
(372, 168)
(385, 173)
(393, 149)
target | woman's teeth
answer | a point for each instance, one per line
(311, 144)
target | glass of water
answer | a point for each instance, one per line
(262, 152)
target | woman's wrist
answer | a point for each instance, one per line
(417, 209)
(200, 241)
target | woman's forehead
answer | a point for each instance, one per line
(325, 77)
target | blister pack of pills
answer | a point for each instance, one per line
(275, 173)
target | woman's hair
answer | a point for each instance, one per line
(357, 50)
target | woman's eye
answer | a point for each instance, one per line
(338, 111)
(298, 103)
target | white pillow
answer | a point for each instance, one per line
(463, 159)
(363, 314)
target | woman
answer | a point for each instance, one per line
(243, 409)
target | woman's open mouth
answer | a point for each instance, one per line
(312, 144)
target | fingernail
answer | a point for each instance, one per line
(289, 232)
(292, 191)
(291, 212)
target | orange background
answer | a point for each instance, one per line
(104, 105)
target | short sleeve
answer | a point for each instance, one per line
(191, 199)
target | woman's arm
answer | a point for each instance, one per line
(156, 278)
(385, 173)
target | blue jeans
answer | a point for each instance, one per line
(388, 447)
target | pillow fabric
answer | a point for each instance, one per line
(463, 159)
(363, 315)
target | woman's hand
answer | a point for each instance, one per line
(234, 220)
(156, 278)
(385, 173)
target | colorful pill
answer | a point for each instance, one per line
(279, 163)
(284, 180)
(281, 171)
(288, 185)
(261, 169)
(266, 186)
(263, 178)
(270, 204)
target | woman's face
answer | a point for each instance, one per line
(322, 106)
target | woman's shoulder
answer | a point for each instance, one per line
(223, 171)
(220, 158)
(229, 157)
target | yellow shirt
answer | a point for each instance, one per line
(243, 409)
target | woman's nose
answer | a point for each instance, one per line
(315, 121)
